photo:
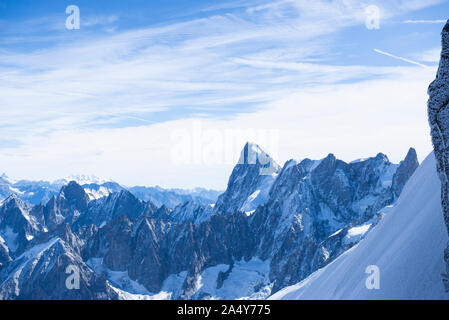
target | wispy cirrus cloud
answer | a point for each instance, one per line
(220, 67)
(438, 21)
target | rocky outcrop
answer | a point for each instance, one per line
(17, 226)
(67, 206)
(41, 273)
(312, 205)
(404, 172)
(174, 197)
(101, 211)
(250, 181)
(163, 213)
(191, 211)
(438, 112)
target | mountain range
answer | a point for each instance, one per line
(38, 192)
(272, 227)
(406, 246)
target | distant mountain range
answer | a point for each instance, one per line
(36, 192)
(272, 227)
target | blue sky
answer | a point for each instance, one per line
(125, 96)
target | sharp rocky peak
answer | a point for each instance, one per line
(411, 155)
(250, 181)
(254, 154)
(14, 200)
(73, 190)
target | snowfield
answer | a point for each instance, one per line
(407, 246)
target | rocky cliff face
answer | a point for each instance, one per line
(191, 211)
(40, 273)
(17, 226)
(313, 206)
(404, 172)
(438, 111)
(101, 211)
(174, 197)
(250, 181)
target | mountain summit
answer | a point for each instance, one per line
(250, 181)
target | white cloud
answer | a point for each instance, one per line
(350, 120)
(425, 21)
(69, 105)
(431, 55)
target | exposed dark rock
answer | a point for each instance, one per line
(41, 274)
(67, 206)
(438, 112)
(101, 211)
(404, 172)
(255, 172)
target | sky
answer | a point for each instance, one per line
(168, 92)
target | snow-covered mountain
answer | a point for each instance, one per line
(314, 206)
(33, 192)
(250, 181)
(191, 211)
(97, 191)
(271, 228)
(101, 211)
(175, 197)
(407, 246)
(18, 225)
(40, 192)
(82, 179)
(40, 271)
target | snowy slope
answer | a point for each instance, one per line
(407, 246)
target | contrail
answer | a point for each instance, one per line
(400, 58)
